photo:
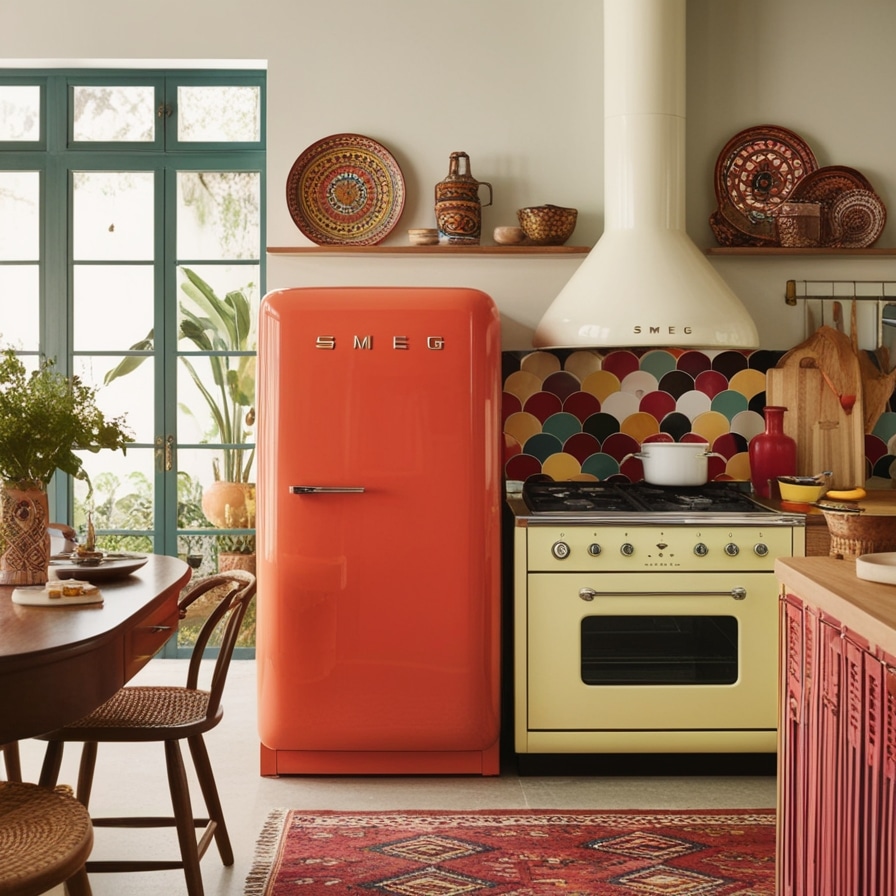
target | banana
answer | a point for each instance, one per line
(853, 494)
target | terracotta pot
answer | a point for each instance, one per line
(24, 536)
(230, 505)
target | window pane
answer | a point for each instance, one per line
(19, 307)
(113, 306)
(129, 396)
(19, 112)
(113, 215)
(19, 215)
(225, 114)
(114, 114)
(218, 214)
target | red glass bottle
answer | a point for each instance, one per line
(772, 453)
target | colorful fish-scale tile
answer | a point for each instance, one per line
(640, 426)
(694, 363)
(748, 424)
(729, 403)
(738, 467)
(875, 448)
(692, 404)
(522, 467)
(542, 445)
(600, 384)
(658, 404)
(676, 383)
(676, 425)
(621, 363)
(639, 383)
(711, 382)
(602, 466)
(510, 404)
(729, 444)
(729, 363)
(883, 467)
(710, 425)
(562, 425)
(601, 425)
(561, 466)
(542, 405)
(619, 445)
(885, 428)
(522, 426)
(657, 362)
(582, 364)
(582, 404)
(540, 364)
(620, 405)
(747, 382)
(522, 384)
(511, 447)
(581, 446)
(562, 384)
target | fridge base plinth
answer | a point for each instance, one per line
(335, 762)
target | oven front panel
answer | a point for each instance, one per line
(648, 652)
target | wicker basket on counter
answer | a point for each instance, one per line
(854, 534)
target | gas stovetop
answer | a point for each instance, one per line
(642, 502)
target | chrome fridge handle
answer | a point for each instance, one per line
(324, 489)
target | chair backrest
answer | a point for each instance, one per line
(238, 587)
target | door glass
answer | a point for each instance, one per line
(19, 112)
(659, 650)
(20, 246)
(218, 114)
(111, 114)
(113, 214)
(218, 214)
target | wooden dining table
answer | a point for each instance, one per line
(59, 662)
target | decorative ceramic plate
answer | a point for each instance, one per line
(345, 190)
(111, 566)
(856, 219)
(759, 168)
(824, 185)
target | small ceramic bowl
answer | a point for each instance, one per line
(800, 492)
(548, 225)
(423, 236)
(509, 236)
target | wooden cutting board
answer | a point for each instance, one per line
(827, 437)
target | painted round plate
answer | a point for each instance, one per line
(824, 185)
(857, 219)
(109, 566)
(345, 190)
(759, 168)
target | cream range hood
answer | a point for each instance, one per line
(645, 283)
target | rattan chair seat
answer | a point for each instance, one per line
(150, 709)
(45, 837)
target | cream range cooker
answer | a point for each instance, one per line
(645, 617)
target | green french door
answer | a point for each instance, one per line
(133, 203)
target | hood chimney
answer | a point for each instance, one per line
(645, 283)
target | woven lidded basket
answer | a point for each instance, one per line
(854, 534)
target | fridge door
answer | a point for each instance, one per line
(379, 520)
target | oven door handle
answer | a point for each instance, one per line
(737, 593)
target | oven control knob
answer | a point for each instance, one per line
(731, 549)
(627, 549)
(560, 549)
(760, 549)
(594, 549)
(700, 549)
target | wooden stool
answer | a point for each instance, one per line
(45, 839)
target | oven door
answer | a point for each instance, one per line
(651, 652)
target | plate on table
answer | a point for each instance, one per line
(345, 190)
(757, 170)
(112, 565)
(877, 567)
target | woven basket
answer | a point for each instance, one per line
(854, 534)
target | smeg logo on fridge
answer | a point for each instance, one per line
(365, 343)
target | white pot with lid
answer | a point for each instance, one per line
(675, 463)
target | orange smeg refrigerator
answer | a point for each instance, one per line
(378, 531)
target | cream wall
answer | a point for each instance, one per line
(517, 85)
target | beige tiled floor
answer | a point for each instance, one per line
(129, 776)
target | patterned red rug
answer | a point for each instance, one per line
(518, 852)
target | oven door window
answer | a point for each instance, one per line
(659, 650)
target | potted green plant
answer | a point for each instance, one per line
(46, 418)
(225, 326)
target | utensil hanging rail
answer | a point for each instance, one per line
(886, 290)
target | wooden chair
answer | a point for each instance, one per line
(12, 761)
(170, 715)
(45, 839)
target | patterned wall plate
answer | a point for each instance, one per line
(857, 219)
(824, 185)
(757, 169)
(345, 190)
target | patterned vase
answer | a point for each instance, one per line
(772, 453)
(24, 536)
(458, 206)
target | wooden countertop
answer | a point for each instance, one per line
(831, 585)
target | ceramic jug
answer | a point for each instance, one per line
(458, 207)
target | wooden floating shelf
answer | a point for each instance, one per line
(786, 250)
(428, 250)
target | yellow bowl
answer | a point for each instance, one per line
(800, 493)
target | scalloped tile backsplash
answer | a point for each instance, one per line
(575, 413)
